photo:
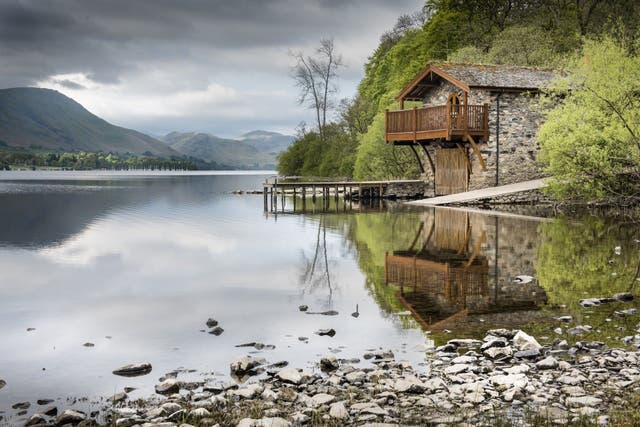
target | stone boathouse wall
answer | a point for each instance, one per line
(520, 118)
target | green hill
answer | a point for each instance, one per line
(257, 149)
(267, 142)
(44, 119)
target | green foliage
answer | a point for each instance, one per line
(309, 155)
(592, 139)
(379, 160)
(89, 161)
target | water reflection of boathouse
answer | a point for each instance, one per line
(451, 271)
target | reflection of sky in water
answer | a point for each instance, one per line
(147, 262)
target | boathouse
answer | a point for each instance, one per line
(471, 126)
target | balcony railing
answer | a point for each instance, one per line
(442, 121)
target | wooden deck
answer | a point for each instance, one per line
(324, 190)
(443, 122)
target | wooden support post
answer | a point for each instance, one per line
(465, 115)
(264, 195)
(335, 196)
(304, 198)
(447, 112)
(415, 123)
(464, 153)
(477, 150)
(386, 125)
(313, 193)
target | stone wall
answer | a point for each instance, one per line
(520, 118)
(407, 190)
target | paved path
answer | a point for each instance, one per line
(481, 194)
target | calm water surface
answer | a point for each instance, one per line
(136, 264)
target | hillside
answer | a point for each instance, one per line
(257, 149)
(45, 119)
(267, 142)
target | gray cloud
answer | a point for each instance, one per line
(148, 46)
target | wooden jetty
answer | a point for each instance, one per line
(350, 191)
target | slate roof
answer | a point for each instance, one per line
(499, 76)
(468, 76)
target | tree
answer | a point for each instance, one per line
(316, 77)
(591, 142)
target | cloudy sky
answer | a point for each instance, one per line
(218, 66)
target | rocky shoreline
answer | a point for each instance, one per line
(507, 377)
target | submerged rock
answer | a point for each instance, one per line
(212, 323)
(21, 405)
(328, 332)
(133, 370)
(2, 384)
(329, 363)
(216, 331)
(324, 313)
(303, 307)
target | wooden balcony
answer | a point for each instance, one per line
(444, 122)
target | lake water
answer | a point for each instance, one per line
(136, 263)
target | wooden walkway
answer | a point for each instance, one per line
(484, 193)
(324, 190)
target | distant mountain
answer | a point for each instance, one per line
(35, 118)
(257, 149)
(267, 142)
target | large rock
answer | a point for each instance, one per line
(245, 364)
(329, 363)
(409, 385)
(69, 416)
(2, 383)
(292, 375)
(133, 370)
(322, 399)
(547, 363)
(523, 341)
(338, 411)
(168, 386)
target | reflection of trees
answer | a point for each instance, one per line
(315, 271)
(578, 260)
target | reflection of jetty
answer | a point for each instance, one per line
(275, 191)
(448, 276)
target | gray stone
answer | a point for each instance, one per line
(168, 386)
(523, 341)
(303, 307)
(409, 385)
(583, 401)
(69, 416)
(35, 419)
(217, 331)
(338, 411)
(322, 399)
(133, 370)
(498, 352)
(326, 332)
(624, 296)
(21, 405)
(2, 384)
(494, 342)
(547, 363)
(292, 375)
(246, 364)
(212, 323)
(527, 354)
(329, 363)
